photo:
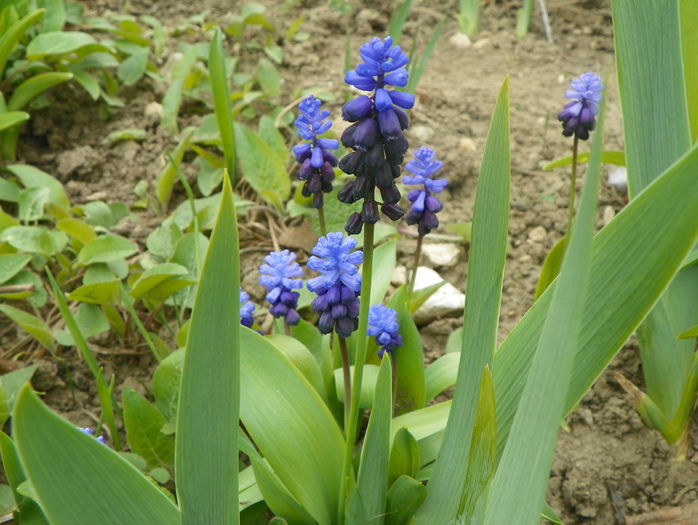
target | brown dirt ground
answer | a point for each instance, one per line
(606, 448)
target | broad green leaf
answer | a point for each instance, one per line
(211, 371)
(301, 357)
(55, 15)
(270, 134)
(11, 264)
(409, 358)
(9, 191)
(95, 485)
(12, 118)
(31, 204)
(518, 489)
(7, 500)
(28, 511)
(106, 248)
(76, 229)
(57, 43)
(404, 456)
(455, 341)
(91, 321)
(384, 258)
(276, 495)
(173, 96)
(442, 373)
(482, 461)
(268, 77)
(4, 407)
(480, 319)
(549, 514)
(616, 158)
(657, 132)
(368, 385)
(143, 424)
(261, 167)
(34, 86)
(34, 239)
(372, 479)
(551, 266)
(163, 239)
(133, 68)
(12, 383)
(14, 33)
(166, 379)
(277, 401)
(32, 177)
(648, 45)
(689, 48)
(31, 324)
(221, 102)
(404, 498)
(155, 276)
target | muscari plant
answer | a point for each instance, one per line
(482, 458)
(667, 342)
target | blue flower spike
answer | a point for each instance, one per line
(246, 309)
(376, 135)
(578, 117)
(424, 204)
(315, 157)
(384, 328)
(90, 432)
(339, 284)
(279, 276)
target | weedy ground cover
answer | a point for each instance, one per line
(295, 371)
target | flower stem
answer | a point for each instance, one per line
(573, 186)
(361, 343)
(321, 218)
(393, 366)
(347, 378)
(417, 256)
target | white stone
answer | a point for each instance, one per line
(153, 111)
(442, 253)
(460, 40)
(618, 178)
(467, 144)
(446, 300)
(608, 214)
(537, 234)
(399, 276)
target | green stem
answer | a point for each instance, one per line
(393, 366)
(573, 186)
(128, 303)
(417, 256)
(361, 343)
(347, 378)
(321, 218)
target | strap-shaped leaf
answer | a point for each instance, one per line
(221, 101)
(518, 489)
(206, 447)
(480, 318)
(279, 401)
(372, 481)
(77, 479)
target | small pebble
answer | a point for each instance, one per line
(442, 253)
(460, 40)
(537, 234)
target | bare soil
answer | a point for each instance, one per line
(606, 454)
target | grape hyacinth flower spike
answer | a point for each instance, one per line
(279, 276)
(384, 328)
(424, 203)
(338, 288)
(315, 157)
(578, 118)
(376, 135)
(246, 309)
(339, 285)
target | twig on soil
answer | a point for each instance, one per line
(17, 288)
(685, 515)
